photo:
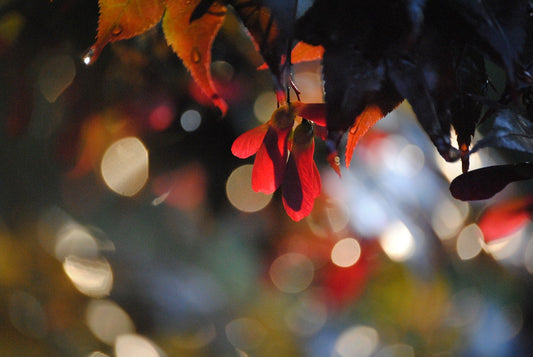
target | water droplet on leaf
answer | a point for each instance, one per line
(87, 57)
(196, 57)
(116, 30)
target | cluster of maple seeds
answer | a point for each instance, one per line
(284, 157)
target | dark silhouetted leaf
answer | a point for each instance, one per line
(284, 13)
(510, 131)
(347, 91)
(486, 182)
(415, 9)
(499, 26)
(271, 29)
(412, 85)
(471, 83)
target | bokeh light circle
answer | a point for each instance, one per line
(240, 193)
(124, 166)
(468, 243)
(398, 242)
(292, 272)
(107, 320)
(190, 120)
(346, 252)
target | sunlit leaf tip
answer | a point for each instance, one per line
(121, 20)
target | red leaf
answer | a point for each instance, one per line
(503, 219)
(248, 144)
(270, 161)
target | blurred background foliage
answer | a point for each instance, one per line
(128, 229)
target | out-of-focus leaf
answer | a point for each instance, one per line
(486, 182)
(122, 19)
(510, 131)
(192, 41)
(505, 218)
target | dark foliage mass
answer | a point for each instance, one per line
(433, 53)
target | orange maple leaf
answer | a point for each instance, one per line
(304, 52)
(192, 41)
(122, 19)
(366, 120)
